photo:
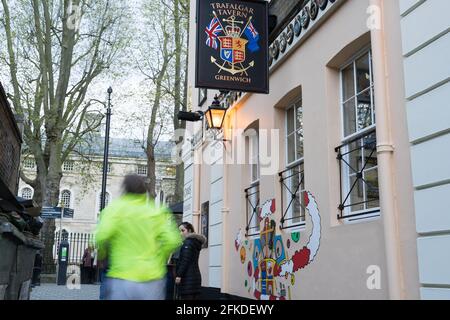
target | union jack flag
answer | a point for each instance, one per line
(252, 29)
(253, 37)
(212, 31)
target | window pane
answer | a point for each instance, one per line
(299, 133)
(68, 166)
(364, 110)
(290, 121)
(255, 175)
(301, 173)
(142, 170)
(297, 210)
(372, 192)
(254, 157)
(354, 156)
(299, 201)
(299, 137)
(294, 180)
(356, 195)
(295, 185)
(256, 218)
(27, 193)
(302, 201)
(254, 196)
(370, 152)
(291, 148)
(28, 164)
(349, 118)
(299, 116)
(255, 146)
(348, 84)
(373, 104)
(253, 203)
(65, 198)
(363, 73)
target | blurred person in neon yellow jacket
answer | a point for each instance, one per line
(138, 237)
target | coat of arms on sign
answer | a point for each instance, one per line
(232, 44)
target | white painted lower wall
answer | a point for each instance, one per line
(426, 47)
(215, 225)
(188, 203)
(434, 264)
(435, 293)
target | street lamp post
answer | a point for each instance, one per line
(106, 151)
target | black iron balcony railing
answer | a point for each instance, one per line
(291, 181)
(356, 157)
(252, 205)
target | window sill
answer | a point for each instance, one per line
(359, 134)
(294, 164)
(294, 228)
(361, 216)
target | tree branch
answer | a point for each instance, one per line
(30, 182)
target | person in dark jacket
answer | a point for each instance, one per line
(88, 261)
(188, 277)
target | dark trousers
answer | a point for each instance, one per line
(170, 283)
(87, 275)
(103, 283)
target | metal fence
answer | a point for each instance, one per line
(78, 242)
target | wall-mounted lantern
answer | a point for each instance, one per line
(215, 115)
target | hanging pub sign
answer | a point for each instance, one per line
(232, 45)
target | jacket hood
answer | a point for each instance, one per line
(198, 237)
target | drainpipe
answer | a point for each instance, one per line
(385, 151)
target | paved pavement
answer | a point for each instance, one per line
(48, 291)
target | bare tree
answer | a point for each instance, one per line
(155, 59)
(52, 63)
(55, 49)
(181, 16)
(179, 10)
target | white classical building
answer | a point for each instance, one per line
(80, 186)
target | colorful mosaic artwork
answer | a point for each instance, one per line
(243, 254)
(272, 262)
(295, 236)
